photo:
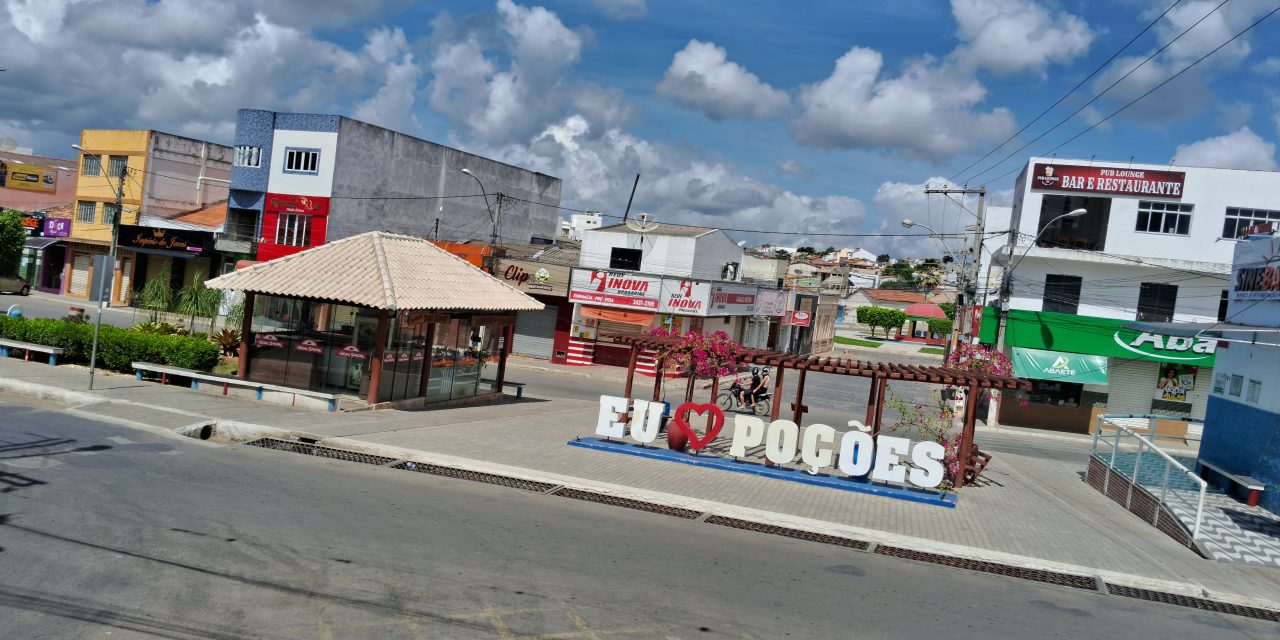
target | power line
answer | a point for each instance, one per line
(1112, 86)
(1068, 93)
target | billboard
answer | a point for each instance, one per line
(615, 289)
(1114, 180)
(28, 177)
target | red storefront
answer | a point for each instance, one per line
(292, 223)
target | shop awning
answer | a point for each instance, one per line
(1040, 364)
(617, 315)
(40, 243)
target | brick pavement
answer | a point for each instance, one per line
(1029, 507)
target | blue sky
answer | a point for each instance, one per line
(815, 117)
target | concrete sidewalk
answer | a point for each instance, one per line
(1030, 511)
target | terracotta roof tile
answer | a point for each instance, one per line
(211, 216)
(383, 271)
(891, 295)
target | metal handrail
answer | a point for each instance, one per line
(1145, 443)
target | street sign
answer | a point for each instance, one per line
(103, 275)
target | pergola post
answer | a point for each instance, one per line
(375, 360)
(508, 336)
(425, 382)
(246, 327)
(871, 401)
(777, 394)
(879, 417)
(798, 407)
(966, 433)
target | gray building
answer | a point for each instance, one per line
(300, 180)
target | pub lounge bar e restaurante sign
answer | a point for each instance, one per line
(1114, 180)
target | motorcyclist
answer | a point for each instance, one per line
(759, 385)
(746, 395)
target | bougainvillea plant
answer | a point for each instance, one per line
(979, 359)
(930, 425)
(702, 355)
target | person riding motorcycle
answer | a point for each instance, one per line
(747, 392)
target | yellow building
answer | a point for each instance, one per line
(163, 175)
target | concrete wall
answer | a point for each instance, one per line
(174, 167)
(372, 161)
(712, 252)
(1111, 290)
(681, 256)
(763, 269)
(1245, 439)
(100, 189)
(27, 200)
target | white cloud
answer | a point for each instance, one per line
(895, 201)
(1233, 115)
(1269, 67)
(392, 105)
(702, 78)
(927, 112)
(1008, 36)
(1242, 149)
(795, 168)
(623, 9)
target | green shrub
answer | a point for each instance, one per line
(940, 326)
(118, 348)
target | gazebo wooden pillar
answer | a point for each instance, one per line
(375, 360)
(246, 328)
(966, 433)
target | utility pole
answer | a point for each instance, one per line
(493, 236)
(111, 279)
(968, 270)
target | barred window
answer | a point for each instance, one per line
(85, 211)
(301, 160)
(247, 156)
(1164, 217)
(109, 211)
(293, 230)
(91, 165)
(1238, 220)
(118, 165)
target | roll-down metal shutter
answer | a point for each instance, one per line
(1131, 386)
(80, 274)
(535, 332)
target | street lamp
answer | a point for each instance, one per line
(961, 302)
(493, 217)
(111, 264)
(1074, 213)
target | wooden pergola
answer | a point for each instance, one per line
(880, 374)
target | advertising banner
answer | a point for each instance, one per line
(615, 289)
(800, 318)
(57, 227)
(170, 240)
(1039, 364)
(1255, 273)
(28, 177)
(733, 299)
(685, 297)
(1174, 381)
(289, 203)
(535, 277)
(1114, 180)
(1099, 336)
(771, 302)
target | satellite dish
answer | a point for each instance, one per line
(642, 223)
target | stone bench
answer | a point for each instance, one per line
(1253, 485)
(28, 347)
(196, 377)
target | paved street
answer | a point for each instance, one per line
(112, 532)
(43, 305)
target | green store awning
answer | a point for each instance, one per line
(1056, 365)
(1097, 336)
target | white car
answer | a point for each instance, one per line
(14, 284)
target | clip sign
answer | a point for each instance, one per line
(855, 453)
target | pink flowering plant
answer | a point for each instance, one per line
(932, 425)
(980, 359)
(702, 355)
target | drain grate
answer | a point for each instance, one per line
(1050, 577)
(591, 496)
(1194, 602)
(798, 534)
(476, 476)
(319, 451)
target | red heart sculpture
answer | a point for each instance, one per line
(679, 421)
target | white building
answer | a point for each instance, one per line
(1154, 243)
(578, 223)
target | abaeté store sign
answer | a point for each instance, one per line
(1061, 332)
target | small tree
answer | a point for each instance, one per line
(949, 309)
(947, 259)
(13, 241)
(156, 295)
(782, 254)
(939, 326)
(893, 319)
(883, 258)
(888, 319)
(196, 299)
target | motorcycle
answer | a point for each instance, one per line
(728, 399)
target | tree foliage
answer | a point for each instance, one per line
(887, 319)
(939, 326)
(13, 240)
(883, 258)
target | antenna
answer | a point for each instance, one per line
(642, 223)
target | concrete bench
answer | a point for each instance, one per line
(518, 385)
(196, 377)
(27, 347)
(1253, 485)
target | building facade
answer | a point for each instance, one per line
(300, 180)
(164, 176)
(35, 183)
(1154, 243)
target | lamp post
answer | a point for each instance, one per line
(1006, 282)
(494, 217)
(961, 302)
(111, 262)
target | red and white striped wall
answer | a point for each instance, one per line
(647, 363)
(581, 352)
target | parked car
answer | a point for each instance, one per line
(14, 284)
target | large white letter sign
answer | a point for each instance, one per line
(814, 457)
(646, 419)
(748, 431)
(927, 456)
(780, 442)
(856, 453)
(611, 408)
(888, 467)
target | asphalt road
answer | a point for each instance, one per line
(112, 532)
(43, 305)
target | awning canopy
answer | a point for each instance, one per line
(380, 270)
(1040, 364)
(618, 315)
(40, 243)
